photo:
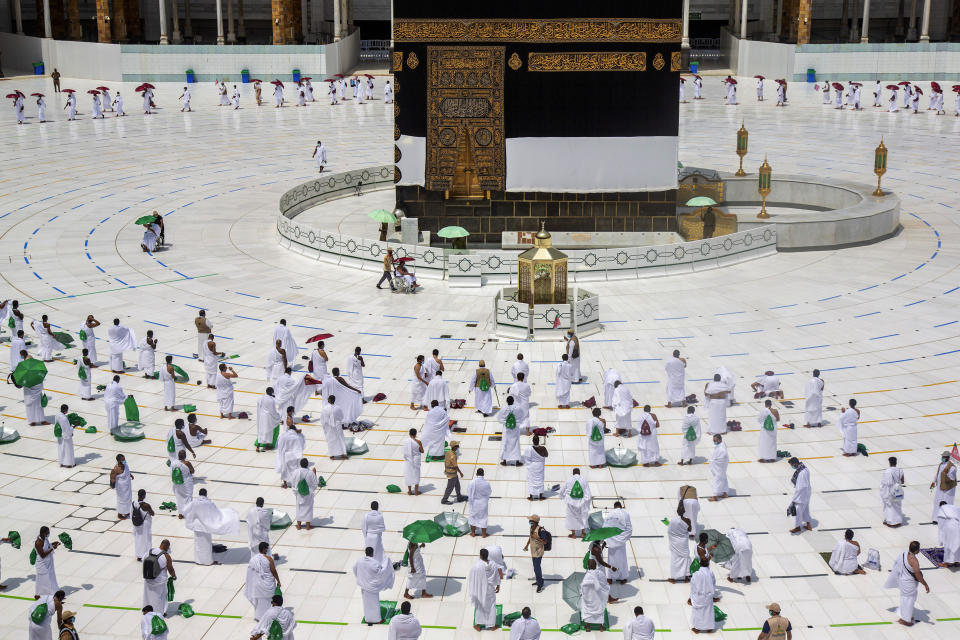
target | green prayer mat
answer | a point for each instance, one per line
(498, 621)
(388, 609)
(392, 488)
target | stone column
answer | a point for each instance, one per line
(912, 29)
(743, 20)
(898, 32)
(684, 43)
(336, 20)
(278, 21)
(865, 29)
(736, 18)
(163, 22)
(844, 22)
(804, 24)
(731, 13)
(855, 27)
(241, 28)
(175, 10)
(103, 21)
(779, 20)
(47, 28)
(187, 22)
(925, 23)
(73, 19)
(219, 22)
(231, 34)
(18, 16)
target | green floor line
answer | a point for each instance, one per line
(343, 624)
(217, 615)
(427, 626)
(858, 624)
(4, 595)
(105, 606)
(947, 619)
(135, 286)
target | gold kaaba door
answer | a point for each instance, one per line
(465, 141)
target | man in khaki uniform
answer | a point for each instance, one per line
(204, 329)
(776, 627)
(387, 270)
(453, 474)
(535, 544)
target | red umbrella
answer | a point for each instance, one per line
(918, 90)
(956, 88)
(893, 87)
(103, 88)
(781, 81)
(148, 85)
(856, 84)
(730, 80)
(38, 95)
(697, 77)
(368, 75)
(904, 83)
(256, 80)
(407, 258)
(330, 80)
(305, 79)
(339, 75)
(93, 92)
(68, 91)
(140, 89)
(936, 86)
(319, 337)
(276, 82)
(12, 96)
(837, 86)
(759, 77)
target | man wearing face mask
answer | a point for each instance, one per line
(68, 629)
(536, 546)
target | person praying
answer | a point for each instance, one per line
(147, 359)
(122, 481)
(767, 420)
(610, 377)
(678, 540)
(436, 428)
(404, 625)
(848, 428)
(594, 595)
(617, 545)
(573, 355)
(716, 396)
(142, 525)
(290, 447)
(113, 397)
(44, 568)
(944, 483)
(372, 578)
(412, 451)
(205, 519)
(372, 527)
(225, 388)
(121, 339)
(690, 427)
(719, 461)
(843, 558)
(891, 494)
(437, 391)
(622, 407)
(648, 444)
(740, 563)
(703, 587)
(520, 390)
(801, 496)
(813, 401)
(331, 418)
(520, 366)
(181, 476)
(65, 453)
(355, 365)
(640, 628)
(258, 527)
(275, 620)
(418, 385)
(167, 377)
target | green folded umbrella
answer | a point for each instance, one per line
(356, 446)
(453, 232)
(186, 610)
(189, 408)
(718, 615)
(382, 216)
(422, 531)
(168, 506)
(63, 338)
(14, 539)
(75, 420)
(128, 432)
(145, 220)
(171, 590)
(66, 540)
(8, 434)
(570, 628)
(510, 618)
(179, 375)
(131, 409)
(701, 201)
(602, 534)
(90, 429)
(392, 488)
(44, 400)
(29, 373)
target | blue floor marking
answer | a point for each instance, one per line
(783, 306)
(292, 304)
(902, 275)
(38, 275)
(873, 286)
(642, 359)
(728, 355)
(830, 298)
(733, 333)
(810, 324)
(342, 311)
(60, 290)
(122, 282)
(729, 313)
(194, 306)
(247, 318)
(946, 352)
(672, 337)
(303, 326)
(816, 346)
(403, 317)
(385, 335)
(937, 326)
(864, 315)
(156, 323)
(896, 361)
(853, 366)
(916, 302)
(376, 355)
(673, 318)
(249, 295)
(950, 291)
(461, 321)
(889, 335)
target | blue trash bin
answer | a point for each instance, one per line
(245, 76)
(694, 66)
(38, 68)
(191, 78)
(296, 75)
(811, 75)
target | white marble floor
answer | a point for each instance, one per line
(868, 317)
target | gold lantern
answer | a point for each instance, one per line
(879, 165)
(543, 272)
(763, 187)
(742, 137)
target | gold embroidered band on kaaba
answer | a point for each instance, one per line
(555, 30)
(587, 61)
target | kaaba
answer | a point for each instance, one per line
(508, 113)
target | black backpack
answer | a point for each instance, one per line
(151, 566)
(547, 539)
(136, 516)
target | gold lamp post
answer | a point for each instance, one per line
(879, 165)
(763, 187)
(742, 137)
(542, 272)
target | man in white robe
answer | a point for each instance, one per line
(290, 447)
(891, 494)
(122, 480)
(355, 365)
(18, 346)
(623, 408)
(520, 390)
(121, 339)
(535, 458)
(89, 338)
(689, 506)
(436, 428)
(848, 428)
(318, 361)
(563, 378)
(168, 381)
(944, 483)
(291, 391)
(412, 451)
(594, 595)
(617, 545)
(948, 529)
(205, 519)
(478, 502)
(113, 397)
(417, 577)
(648, 444)
(33, 399)
(282, 333)
(275, 614)
(703, 586)
(767, 421)
(510, 433)
(843, 558)
(813, 401)
(146, 625)
(576, 495)
(715, 395)
(438, 390)
(418, 385)
(404, 625)
(596, 451)
(349, 398)
(142, 533)
(767, 385)
(525, 627)
(258, 526)
(182, 491)
(690, 428)
(304, 483)
(676, 369)
(740, 564)
(610, 376)
(801, 496)
(573, 356)
(155, 589)
(719, 461)
(372, 578)
(905, 575)
(262, 580)
(483, 588)
(225, 390)
(147, 358)
(372, 527)
(640, 628)
(433, 364)
(678, 539)
(482, 385)
(65, 454)
(332, 420)
(45, 569)
(211, 361)
(204, 329)
(730, 381)
(277, 362)
(268, 420)
(520, 366)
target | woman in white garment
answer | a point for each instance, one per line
(41, 109)
(767, 420)
(143, 513)
(225, 390)
(147, 359)
(118, 105)
(65, 440)
(84, 373)
(169, 384)
(97, 108)
(46, 572)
